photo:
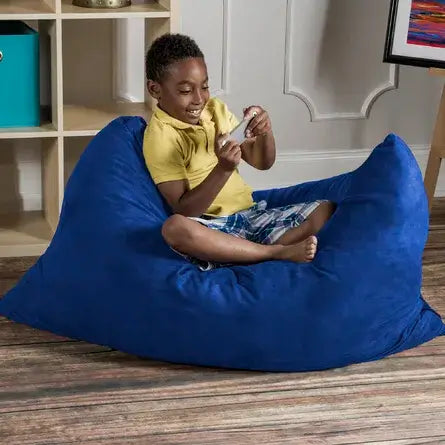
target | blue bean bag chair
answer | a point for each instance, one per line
(109, 278)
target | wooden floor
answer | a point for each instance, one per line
(57, 391)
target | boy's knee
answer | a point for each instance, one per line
(174, 229)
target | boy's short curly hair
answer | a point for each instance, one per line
(168, 49)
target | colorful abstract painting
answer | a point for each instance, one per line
(427, 23)
(416, 33)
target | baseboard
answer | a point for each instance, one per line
(297, 167)
(290, 168)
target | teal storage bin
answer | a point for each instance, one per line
(19, 75)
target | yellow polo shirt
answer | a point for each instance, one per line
(175, 150)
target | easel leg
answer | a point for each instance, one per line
(431, 176)
(437, 152)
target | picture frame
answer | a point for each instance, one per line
(416, 33)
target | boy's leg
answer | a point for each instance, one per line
(193, 239)
(311, 226)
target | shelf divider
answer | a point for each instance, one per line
(52, 185)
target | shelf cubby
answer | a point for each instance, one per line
(24, 234)
(80, 120)
(27, 9)
(89, 98)
(26, 228)
(73, 149)
(49, 124)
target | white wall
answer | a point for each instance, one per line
(316, 66)
(333, 62)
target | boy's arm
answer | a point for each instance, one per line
(258, 149)
(195, 202)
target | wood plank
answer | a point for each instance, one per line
(243, 437)
(435, 256)
(181, 394)
(435, 297)
(438, 211)
(362, 413)
(436, 238)
(15, 267)
(5, 285)
(433, 274)
(19, 334)
(76, 367)
(423, 440)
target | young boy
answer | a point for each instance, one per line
(194, 163)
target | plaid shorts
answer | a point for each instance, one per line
(257, 224)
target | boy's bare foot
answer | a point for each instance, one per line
(303, 252)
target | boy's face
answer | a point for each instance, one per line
(184, 90)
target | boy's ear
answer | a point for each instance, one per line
(154, 89)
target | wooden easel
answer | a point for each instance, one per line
(437, 151)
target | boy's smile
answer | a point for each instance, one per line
(184, 90)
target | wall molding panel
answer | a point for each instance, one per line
(316, 113)
(224, 87)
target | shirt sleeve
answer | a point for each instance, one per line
(163, 154)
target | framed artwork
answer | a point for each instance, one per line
(416, 33)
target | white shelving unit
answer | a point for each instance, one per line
(77, 112)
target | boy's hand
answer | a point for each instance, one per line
(260, 125)
(228, 153)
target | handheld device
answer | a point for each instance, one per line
(238, 134)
